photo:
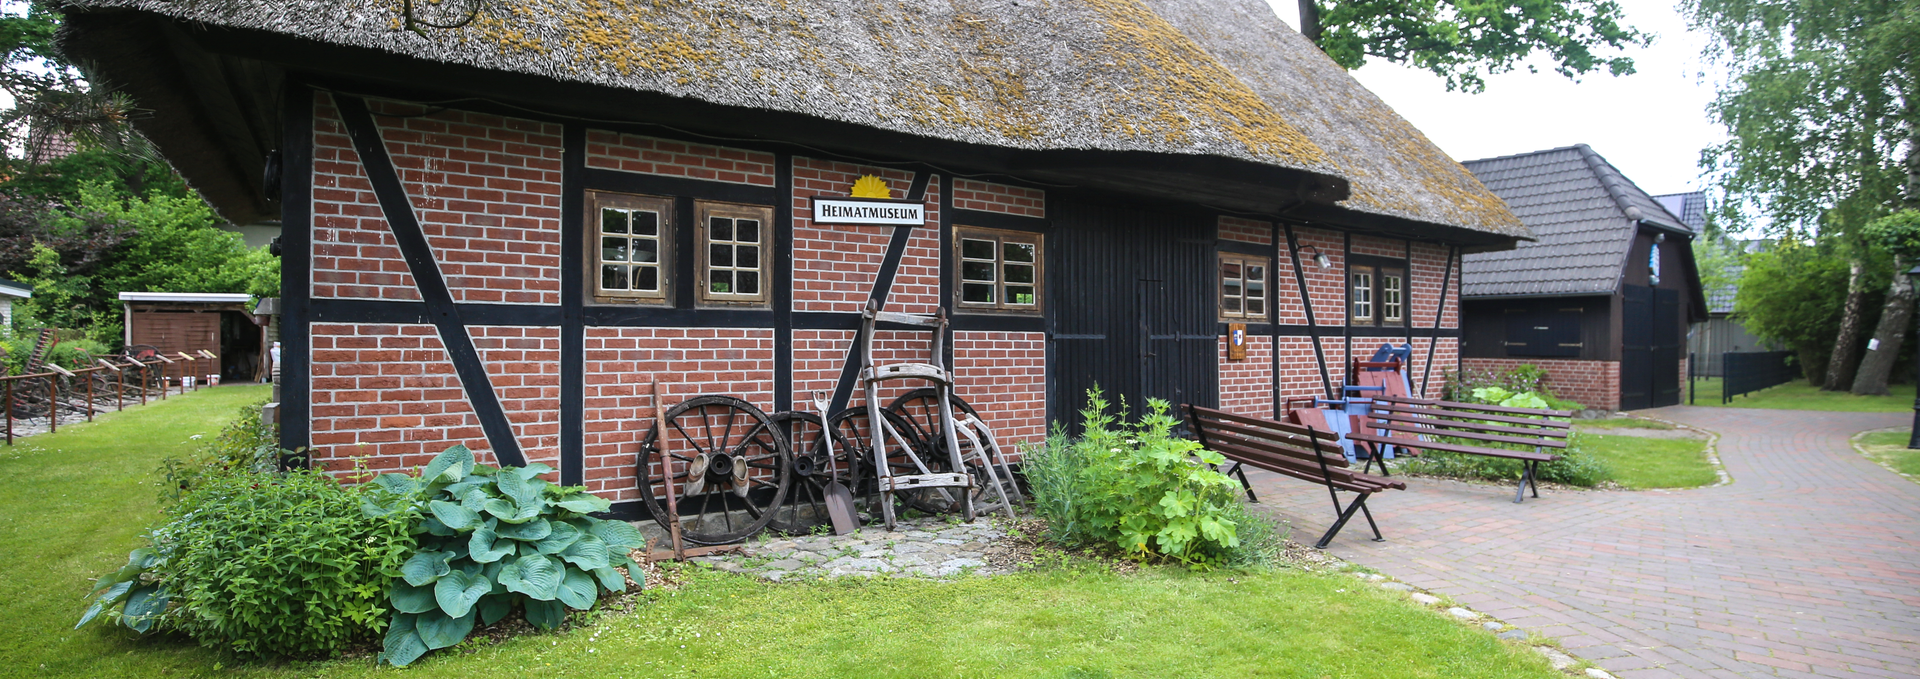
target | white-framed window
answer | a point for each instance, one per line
(999, 270)
(1243, 287)
(1361, 295)
(734, 257)
(1393, 286)
(629, 243)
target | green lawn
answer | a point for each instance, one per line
(85, 493)
(1799, 395)
(1890, 448)
(1640, 463)
(1621, 423)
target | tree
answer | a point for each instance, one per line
(1790, 295)
(1821, 110)
(1459, 40)
(1898, 234)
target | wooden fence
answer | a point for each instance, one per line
(115, 382)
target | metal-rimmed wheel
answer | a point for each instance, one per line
(920, 408)
(852, 433)
(730, 466)
(813, 471)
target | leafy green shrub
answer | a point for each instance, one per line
(1135, 487)
(1576, 466)
(491, 540)
(245, 446)
(264, 564)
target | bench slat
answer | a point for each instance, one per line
(1269, 445)
(1490, 438)
(1294, 429)
(1304, 469)
(1299, 440)
(1455, 448)
(1452, 415)
(1457, 405)
(1450, 424)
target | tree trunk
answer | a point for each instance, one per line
(1877, 367)
(1840, 366)
(1310, 20)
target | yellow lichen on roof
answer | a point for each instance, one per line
(1177, 80)
(992, 93)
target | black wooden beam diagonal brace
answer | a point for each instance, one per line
(882, 286)
(405, 226)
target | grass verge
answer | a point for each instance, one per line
(90, 489)
(1640, 463)
(1889, 448)
(1622, 423)
(1799, 395)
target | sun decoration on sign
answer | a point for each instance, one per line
(871, 187)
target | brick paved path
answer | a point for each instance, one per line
(1808, 564)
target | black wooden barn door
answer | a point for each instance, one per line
(1668, 343)
(1636, 348)
(1131, 307)
(1651, 342)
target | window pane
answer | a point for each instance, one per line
(1019, 273)
(976, 249)
(1019, 252)
(613, 221)
(613, 277)
(646, 224)
(720, 282)
(646, 250)
(749, 282)
(980, 293)
(746, 256)
(1230, 304)
(646, 278)
(1230, 287)
(1020, 294)
(976, 271)
(746, 230)
(719, 228)
(1256, 306)
(1256, 276)
(1229, 269)
(613, 249)
(719, 255)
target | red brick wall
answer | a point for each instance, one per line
(1246, 230)
(1004, 376)
(651, 155)
(988, 197)
(1595, 384)
(1246, 386)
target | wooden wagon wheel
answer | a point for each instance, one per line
(729, 463)
(813, 470)
(920, 408)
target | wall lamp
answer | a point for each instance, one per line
(1319, 257)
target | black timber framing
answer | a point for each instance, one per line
(412, 241)
(573, 332)
(296, 273)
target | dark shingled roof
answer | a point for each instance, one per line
(1219, 78)
(1582, 210)
(1691, 207)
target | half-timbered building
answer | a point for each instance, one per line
(501, 222)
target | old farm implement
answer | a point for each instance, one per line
(46, 393)
(716, 469)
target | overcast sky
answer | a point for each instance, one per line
(1651, 124)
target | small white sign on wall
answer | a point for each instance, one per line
(869, 211)
(1873, 344)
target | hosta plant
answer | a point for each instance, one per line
(139, 598)
(492, 540)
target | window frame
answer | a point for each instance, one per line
(663, 206)
(704, 211)
(1000, 238)
(1379, 269)
(1266, 286)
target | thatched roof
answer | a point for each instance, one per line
(1220, 78)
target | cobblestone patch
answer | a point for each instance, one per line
(927, 547)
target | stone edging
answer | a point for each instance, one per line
(1559, 659)
(1854, 441)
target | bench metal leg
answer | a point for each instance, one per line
(1358, 503)
(1364, 511)
(1239, 470)
(1526, 479)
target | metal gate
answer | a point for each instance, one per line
(1131, 306)
(1650, 347)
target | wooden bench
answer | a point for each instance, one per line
(1422, 423)
(1292, 450)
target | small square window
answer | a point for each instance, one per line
(1362, 293)
(627, 237)
(999, 270)
(733, 257)
(1392, 295)
(1243, 287)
